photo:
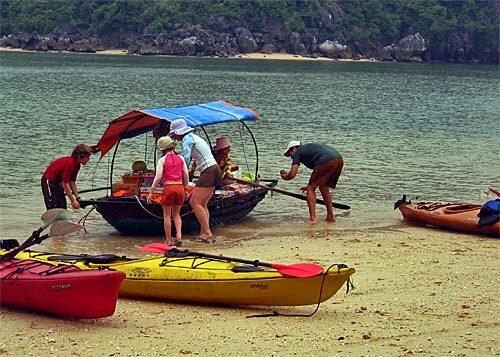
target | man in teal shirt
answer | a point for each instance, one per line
(326, 163)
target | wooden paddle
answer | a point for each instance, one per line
(57, 217)
(299, 270)
(291, 194)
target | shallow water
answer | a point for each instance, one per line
(430, 131)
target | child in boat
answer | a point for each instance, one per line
(59, 178)
(210, 176)
(326, 163)
(172, 171)
(221, 155)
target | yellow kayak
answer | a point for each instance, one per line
(207, 281)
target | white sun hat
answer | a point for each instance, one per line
(179, 127)
(291, 144)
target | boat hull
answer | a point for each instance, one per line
(458, 217)
(132, 217)
(206, 281)
(65, 291)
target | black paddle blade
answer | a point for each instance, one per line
(400, 202)
(62, 228)
(55, 214)
(8, 244)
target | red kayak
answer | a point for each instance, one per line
(65, 291)
(461, 217)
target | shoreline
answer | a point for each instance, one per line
(250, 56)
(418, 291)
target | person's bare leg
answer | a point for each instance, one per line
(207, 212)
(176, 211)
(311, 204)
(327, 197)
(198, 197)
(167, 225)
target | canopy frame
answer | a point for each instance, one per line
(146, 129)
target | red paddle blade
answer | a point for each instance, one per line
(299, 270)
(160, 248)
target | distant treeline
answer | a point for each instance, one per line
(377, 21)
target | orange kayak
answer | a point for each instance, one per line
(461, 217)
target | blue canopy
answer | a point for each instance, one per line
(204, 114)
(138, 122)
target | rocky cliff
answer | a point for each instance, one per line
(225, 37)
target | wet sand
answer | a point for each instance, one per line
(418, 291)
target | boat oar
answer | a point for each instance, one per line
(299, 270)
(291, 194)
(57, 217)
(495, 192)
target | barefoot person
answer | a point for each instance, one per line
(59, 178)
(195, 148)
(326, 163)
(172, 171)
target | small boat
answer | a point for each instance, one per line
(125, 206)
(462, 217)
(193, 279)
(61, 290)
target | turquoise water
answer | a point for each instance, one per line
(430, 131)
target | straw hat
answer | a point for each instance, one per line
(179, 127)
(291, 145)
(164, 143)
(221, 143)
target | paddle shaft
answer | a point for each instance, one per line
(221, 257)
(291, 194)
(95, 189)
(32, 240)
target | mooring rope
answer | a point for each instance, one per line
(154, 215)
(349, 286)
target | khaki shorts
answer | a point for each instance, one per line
(327, 174)
(210, 177)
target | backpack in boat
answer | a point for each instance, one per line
(489, 213)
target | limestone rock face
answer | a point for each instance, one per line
(268, 49)
(245, 40)
(334, 49)
(410, 48)
(10, 41)
(294, 44)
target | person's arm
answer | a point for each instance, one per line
(69, 186)
(74, 189)
(290, 175)
(185, 174)
(156, 180)
(185, 177)
(187, 146)
(71, 197)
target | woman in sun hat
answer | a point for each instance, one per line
(196, 149)
(172, 172)
(326, 163)
(221, 154)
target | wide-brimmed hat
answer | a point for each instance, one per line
(164, 143)
(179, 127)
(291, 144)
(221, 143)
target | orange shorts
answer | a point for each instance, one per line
(172, 195)
(327, 174)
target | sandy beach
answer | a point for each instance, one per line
(418, 291)
(252, 56)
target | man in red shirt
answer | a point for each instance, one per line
(59, 178)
